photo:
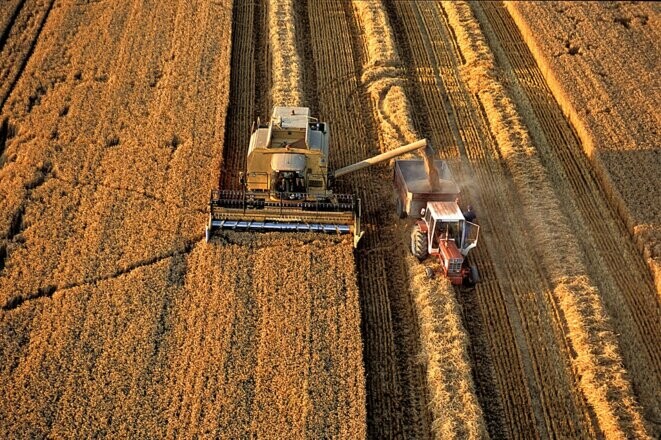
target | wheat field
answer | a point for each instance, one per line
(118, 320)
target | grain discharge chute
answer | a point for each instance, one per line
(288, 185)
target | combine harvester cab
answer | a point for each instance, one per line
(287, 185)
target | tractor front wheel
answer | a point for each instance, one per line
(419, 242)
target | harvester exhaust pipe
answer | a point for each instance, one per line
(381, 157)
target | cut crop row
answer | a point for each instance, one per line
(396, 390)
(443, 338)
(580, 314)
(435, 61)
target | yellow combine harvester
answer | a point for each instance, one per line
(287, 185)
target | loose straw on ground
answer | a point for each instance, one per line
(455, 408)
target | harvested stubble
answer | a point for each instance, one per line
(286, 63)
(454, 406)
(616, 266)
(600, 60)
(598, 362)
(397, 398)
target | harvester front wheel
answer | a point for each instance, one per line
(419, 242)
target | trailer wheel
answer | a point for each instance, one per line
(419, 243)
(400, 208)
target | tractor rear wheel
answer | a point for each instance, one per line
(419, 242)
(475, 275)
(472, 278)
(400, 208)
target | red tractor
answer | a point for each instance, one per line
(443, 232)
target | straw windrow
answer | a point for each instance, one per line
(625, 118)
(286, 63)
(455, 408)
(383, 77)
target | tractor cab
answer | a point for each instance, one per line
(443, 232)
(446, 223)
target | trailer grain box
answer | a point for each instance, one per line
(413, 188)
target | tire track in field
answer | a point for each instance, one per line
(249, 86)
(282, 398)
(528, 317)
(396, 388)
(10, 22)
(394, 379)
(512, 402)
(428, 92)
(50, 290)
